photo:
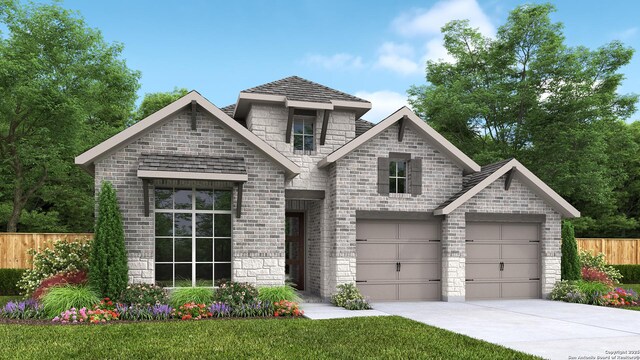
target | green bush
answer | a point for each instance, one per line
(349, 297)
(144, 294)
(588, 260)
(64, 256)
(236, 294)
(630, 273)
(198, 295)
(108, 269)
(63, 298)
(278, 293)
(567, 291)
(593, 291)
(570, 263)
(9, 279)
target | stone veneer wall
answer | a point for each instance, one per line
(270, 123)
(353, 186)
(519, 199)
(258, 237)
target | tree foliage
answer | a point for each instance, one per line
(525, 94)
(570, 263)
(153, 102)
(63, 90)
(108, 269)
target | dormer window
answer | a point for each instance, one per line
(304, 130)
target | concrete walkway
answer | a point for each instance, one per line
(321, 311)
(550, 329)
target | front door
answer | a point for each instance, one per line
(294, 249)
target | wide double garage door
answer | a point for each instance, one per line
(503, 260)
(398, 260)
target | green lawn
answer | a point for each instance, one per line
(634, 287)
(373, 337)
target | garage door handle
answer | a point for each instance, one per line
(501, 266)
(361, 239)
(361, 281)
(398, 266)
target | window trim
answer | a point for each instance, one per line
(396, 177)
(193, 211)
(304, 119)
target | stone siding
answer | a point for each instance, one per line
(258, 238)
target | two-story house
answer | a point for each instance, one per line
(290, 184)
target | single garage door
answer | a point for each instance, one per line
(503, 261)
(398, 260)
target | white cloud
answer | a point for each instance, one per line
(627, 33)
(335, 62)
(420, 22)
(397, 58)
(383, 102)
(434, 50)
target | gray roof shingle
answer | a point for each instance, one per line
(200, 164)
(299, 89)
(471, 180)
(362, 126)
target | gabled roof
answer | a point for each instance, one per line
(474, 183)
(437, 140)
(135, 131)
(192, 163)
(296, 92)
(299, 89)
(362, 126)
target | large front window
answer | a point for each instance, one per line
(192, 236)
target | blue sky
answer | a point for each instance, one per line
(373, 49)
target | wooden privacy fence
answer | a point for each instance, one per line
(617, 251)
(14, 246)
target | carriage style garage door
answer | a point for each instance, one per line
(503, 260)
(398, 260)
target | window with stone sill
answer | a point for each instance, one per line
(192, 236)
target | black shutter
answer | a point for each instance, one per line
(383, 176)
(416, 176)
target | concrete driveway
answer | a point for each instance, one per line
(550, 329)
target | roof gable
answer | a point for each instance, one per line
(439, 142)
(474, 183)
(135, 131)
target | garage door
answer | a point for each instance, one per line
(503, 261)
(398, 260)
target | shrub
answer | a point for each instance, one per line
(198, 295)
(144, 294)
(108, 269)
(593, 274)
(598, 262)
(620, 297)
(105, 311)
(236, 294)
(60, 299)
(286, 308)
(137, 313)
(567, 291)
(278, 293)
(253, 309)
(192, 311)
(593, 291)
(61, 279)
(570, 263)
(64, 256)
(27, 309)
(630, 273)
(9, 279)
(346, 296)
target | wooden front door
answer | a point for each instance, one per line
(294, 249)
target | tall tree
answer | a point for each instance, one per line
(153, 102)
(525, 94)
(61, 84)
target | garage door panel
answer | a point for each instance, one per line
(520, 232)
(376, 271)
(376, 230)
(379, 292)
(520, 271)
(371, 251)
(481, 231)
(418, 231)
(477, 251)
(476, 290)
(425, 291)
(482, 271)
(522, 251)
(419, 271)
(520, 290)
(429, 251)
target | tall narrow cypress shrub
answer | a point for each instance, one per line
(570, 263)
(108, 270)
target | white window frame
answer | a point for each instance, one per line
(396, 177)
(193, 211)
(304, 119)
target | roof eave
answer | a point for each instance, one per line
(245, 99)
